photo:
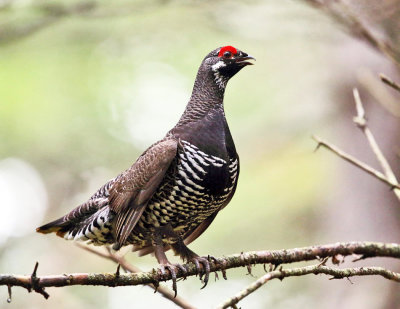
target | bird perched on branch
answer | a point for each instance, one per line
(176, 188)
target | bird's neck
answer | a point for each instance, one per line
(207, 97)
(203, 122)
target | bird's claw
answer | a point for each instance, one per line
(206, 268)
(173, 270)
(183, 270)
(222, 265)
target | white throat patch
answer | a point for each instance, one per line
(219, 64)
(219, 78)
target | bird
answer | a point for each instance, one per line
(176, 188)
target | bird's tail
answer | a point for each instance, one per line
(57, 226)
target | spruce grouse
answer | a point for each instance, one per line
(176, 188)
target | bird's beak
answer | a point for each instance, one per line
(243, 60)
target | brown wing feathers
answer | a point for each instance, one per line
(131, 193)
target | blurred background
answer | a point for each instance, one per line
(86, 86)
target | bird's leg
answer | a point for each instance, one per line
(188, 255)
(162, 259)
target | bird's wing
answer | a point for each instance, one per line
(133, 190)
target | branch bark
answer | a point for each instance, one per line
(275, 257)
(120, 260)
(313, 269)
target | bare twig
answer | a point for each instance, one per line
(365, 167)
(361, 122)
(164, 291)
(35, 283)
(379, 91)
(275, 257)
(52, 13)
(55, 12)
(357, 27)
(336, 273)
(9, 299)
(389, 82)
(341, 13)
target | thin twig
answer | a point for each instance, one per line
(352, 23)
(365, 167)
(51, 13)
(9, 299)
(361, 122)
(389, 82)
(164, 291)
(336, 273)
(380, 92)
(35, 283)
(275, 257)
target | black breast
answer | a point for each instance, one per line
(209, 144)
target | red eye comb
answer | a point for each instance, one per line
(231, 49)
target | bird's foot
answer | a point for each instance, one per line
(204, 270)
(221, 263)
(173, 269)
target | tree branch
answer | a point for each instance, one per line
(365, 167)
(380, 92)
(164, 291)
(389, 82)
(388, 177)
(52, 13)
(313, 269)
(275, 257)
(361, 122)
(341, 13)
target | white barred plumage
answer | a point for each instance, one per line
(186, 196)
(175, 189)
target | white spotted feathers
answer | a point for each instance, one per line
(186, 197)
(220, 79)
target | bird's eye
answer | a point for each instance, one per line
(227, 54)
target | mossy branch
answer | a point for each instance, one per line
(335, 273)
(274, 257)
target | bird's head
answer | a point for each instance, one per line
(225, 62)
